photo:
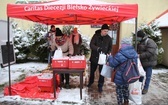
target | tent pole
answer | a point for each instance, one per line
(8, 44)
(112, 39)
(47, 28)
(136, 25)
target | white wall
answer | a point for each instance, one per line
(4, 32)
(165, 46)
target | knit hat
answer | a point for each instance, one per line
(140, 33)
(126, 42)
(104, 26)
(58, 32)
(52, 26)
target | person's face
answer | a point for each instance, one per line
(104, 32)
(53, 29)
(139, 38)
(75, 31)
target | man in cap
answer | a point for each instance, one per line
(100, 42)
(147, 54)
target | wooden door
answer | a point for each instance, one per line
(114, 34)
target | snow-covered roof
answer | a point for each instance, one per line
(162, 19)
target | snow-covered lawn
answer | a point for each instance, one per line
(19, 71)
(158, 89)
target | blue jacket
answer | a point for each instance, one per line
(125, 53)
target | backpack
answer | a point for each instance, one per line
(131, 72)
(156, 51)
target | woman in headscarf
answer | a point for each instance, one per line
(76, 41)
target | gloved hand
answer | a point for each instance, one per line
(109, 58)
(99, 49)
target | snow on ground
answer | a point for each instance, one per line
(66, 96)
(158, 89)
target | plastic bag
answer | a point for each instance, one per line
(58, 54)
(106, 71)
(102, 59)
(135, 92)
(140, 68)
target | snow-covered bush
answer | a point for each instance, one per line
(38, 47)
(30, 44)
(21, 44)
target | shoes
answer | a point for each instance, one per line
(100, 89)
(144, 91)
(89, 85)
(67, 86)
(62, 84)
(126, 102)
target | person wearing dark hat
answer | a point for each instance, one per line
(146, 50)
(100, 42)
(49, 36)
(63, 42)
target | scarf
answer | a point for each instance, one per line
(61, 41)
(76, 38)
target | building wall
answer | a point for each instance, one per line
(165, 46)
(148, 10)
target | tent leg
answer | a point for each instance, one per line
(136, 23)
(8, 44)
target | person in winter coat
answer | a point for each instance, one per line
(147, 50)
(63, 42)
(49, 36)
(76, 41)
(117, 62)
(100, 42)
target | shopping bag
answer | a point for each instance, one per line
(140, 68)
(135, 92)
(102, 59)
(106, 71)
(58, 54)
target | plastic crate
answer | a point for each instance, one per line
(46, 85)
(60, 63)
(48, 81)
(77, 64)
(45, 89)
(45, 82)
(45, 79)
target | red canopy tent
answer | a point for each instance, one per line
(81, 12)
(73, 12)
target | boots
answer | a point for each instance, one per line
(126, 102)
(144, 91)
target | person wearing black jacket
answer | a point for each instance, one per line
(100, 42)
